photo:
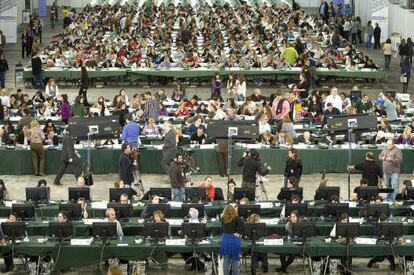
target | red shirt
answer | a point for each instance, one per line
(210, 193)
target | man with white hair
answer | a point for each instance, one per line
(335, 99)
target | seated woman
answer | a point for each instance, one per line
(158, 216)
(257, 257)
(403, 192)
(292, 184)
(151, 128)
(406, 137)
(111, 217)
(322, 184)
(4, 189)
(286, 260)
(182, 110)
(121, 184)
(282, 138)
(84, 209)
(267, 138)
(43, 183)
(301, 89)
(379, 138)
(155, 200)
(329, 139)
(384, 126)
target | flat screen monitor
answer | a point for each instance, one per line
(391, 230)
(303, 229)
(14, 230)
(75, 193)
(156, 231)
(347, 230)
(72, 210)
(104, 230)
(185, 207)
(336, 209)
(161, 192)
(376, 210)
(24, 211)
(61, 230)
(115, 193)
(245, 210)
(248, 193)
(123, 211)
(367, 193)
(287, 193)
(254, 231)
(302, 208)
(163, 207)
(194, 231)
(37, 194)
(326, 193)
(190, 192)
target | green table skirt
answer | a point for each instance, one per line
(18, 162)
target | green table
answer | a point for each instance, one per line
(67, 256)
(106, 160)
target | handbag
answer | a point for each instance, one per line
(403, 78)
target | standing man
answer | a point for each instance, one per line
(280, 109)
(169, 149)
(4, 67)
(377, 37)
(151, 108)
(391, 158)
(67, 158)
(252, 166)
(177, 178)
(130, 132)
(37, 71)
(370, 169)
(126, 167)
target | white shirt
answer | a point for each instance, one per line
(336, 102)
(241, 89)
(263, 127)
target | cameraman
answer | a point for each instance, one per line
(252, 166)
(177, 178)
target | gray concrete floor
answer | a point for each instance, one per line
(16, 184)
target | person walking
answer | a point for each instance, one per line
(4, 67)
(387, 48)
(293, 166)
(405, 73)
(126, 166)
(391, 158)
(177, 178)
(369, 31)
(377, 37)
(67, 158)
(36, 138)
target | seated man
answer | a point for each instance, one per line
(198, 137)
(111, 217)
(51, 139)
(209, 187)
(8, 257)
(306, 138)
(362, 183)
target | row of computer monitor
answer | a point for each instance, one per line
(41, 194)
(104, 231)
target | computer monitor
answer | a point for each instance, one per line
(185, 207)
(156, 230)
(249, 193)
(376, 210)
(163, 207)
(302, 208)
(190, 192)
(245, 210)
(410, 193)
(335, 210)
(254, 231)
(37, 194)
(347, 230)
(391, 230)
(194, 231)
(367, 193)
(325, 193)
(24, 211)
(14, 230)
(104, 231)
(79, 192)
(72, 210)
(115, 193)
(287, 193)
(123, 211)
(303, 230)
(60, 231)
(161, 192)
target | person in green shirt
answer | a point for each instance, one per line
(364, 105)
(78, 109)
(290, 54)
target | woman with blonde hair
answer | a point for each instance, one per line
(36, 138)
(231, 226)
(52, 89)
(151, 128)
(405, 137)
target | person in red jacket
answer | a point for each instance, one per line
(209, 186)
